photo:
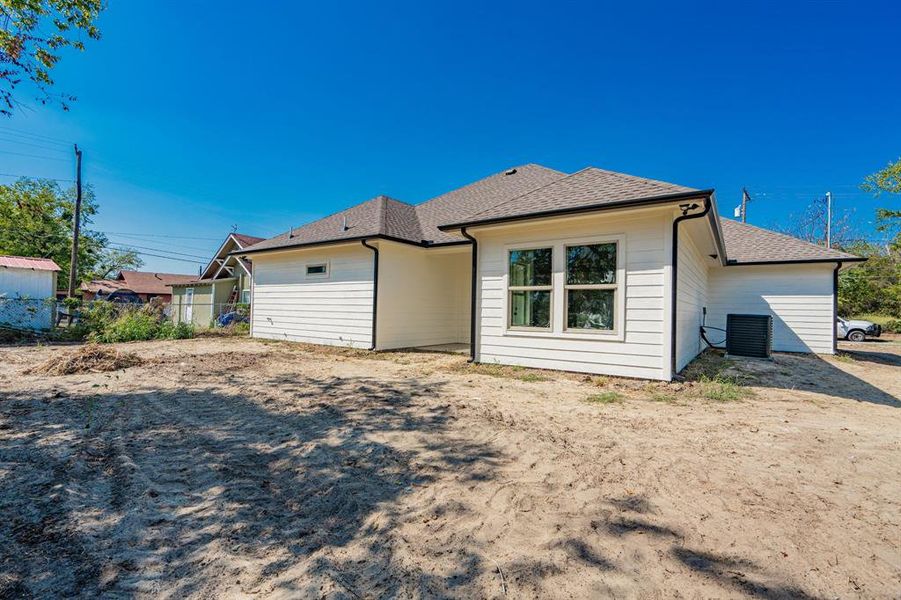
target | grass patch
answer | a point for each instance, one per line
(710, 364)
(666, 397)
(714, 377)
(844, 357)
(722, 389)
(605, 398)
(501, 371)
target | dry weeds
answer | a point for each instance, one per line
(87, 359)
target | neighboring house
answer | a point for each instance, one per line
(594, 271)
(138, 285)
(26, 285)
(223, 284)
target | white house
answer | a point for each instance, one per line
(594, 271)
(27, 292)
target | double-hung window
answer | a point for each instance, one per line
(530, 278)
(590, 287)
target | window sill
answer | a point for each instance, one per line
(599, 336)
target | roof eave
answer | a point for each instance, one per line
(635, 203)
(359, 238)
(801, 261)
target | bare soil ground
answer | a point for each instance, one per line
(235, 468)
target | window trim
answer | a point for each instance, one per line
(510, 289)
(323, 275)
(558, 329)
(590, 286)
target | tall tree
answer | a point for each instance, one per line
(875, 286)
(33, 34)
(887, 180)
(36, 219)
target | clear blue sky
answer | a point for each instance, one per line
(193, 119)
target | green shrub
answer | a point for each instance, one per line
(108, 322)
(175, 331)
(130, 326)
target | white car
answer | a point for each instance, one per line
(856, 331)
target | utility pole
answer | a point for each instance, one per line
(76, 226)
(745, 198)
(829, 219)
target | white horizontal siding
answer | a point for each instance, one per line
(639, 352)
(799, 297)
(691, 292)
(336, 310)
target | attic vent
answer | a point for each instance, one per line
(510, 172)
(749, 335)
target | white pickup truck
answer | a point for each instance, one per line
(856, 331)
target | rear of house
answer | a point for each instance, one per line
(596, 271)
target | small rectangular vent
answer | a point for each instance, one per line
(749, 335)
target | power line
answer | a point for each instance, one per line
(33, 177)
(41, 146)
(118, 239)
(33, 155)
(193, 262)
(161, 235)
(38, 136)
(130, 246)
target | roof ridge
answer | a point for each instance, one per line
(556, 181)
(335, 214)
(638, 177)
(383, 214)
(28, 257)
(477, 181)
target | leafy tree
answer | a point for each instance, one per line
(111, 261)
(33, 34)
(874, 286)
(887, 180)
(36, 219)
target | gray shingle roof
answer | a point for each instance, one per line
(531, 190)
(747, 244)
(479, 196)
(370, 218)
(586, 188)
(392, 218)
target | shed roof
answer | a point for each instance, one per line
(28, 262)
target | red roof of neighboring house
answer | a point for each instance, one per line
(27, 262)
(247, 240)
(139, 282)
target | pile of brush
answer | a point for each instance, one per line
(87, 359)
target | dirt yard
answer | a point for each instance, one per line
(226, 468)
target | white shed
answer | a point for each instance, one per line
(27, 292)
